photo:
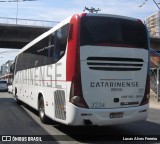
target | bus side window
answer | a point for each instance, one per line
(60, 42)
(64, 37)
(57, 45)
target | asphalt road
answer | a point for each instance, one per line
(22, 120)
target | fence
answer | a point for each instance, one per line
(27, 22)
(155, 72)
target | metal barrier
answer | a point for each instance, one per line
(155, 72)
(27, 22)
(154, 82)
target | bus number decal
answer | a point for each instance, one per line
(98, 105)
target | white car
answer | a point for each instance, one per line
(10, 88)
(3, 85)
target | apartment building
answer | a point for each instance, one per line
(153, 24)
(4, 69)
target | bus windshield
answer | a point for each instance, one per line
(110, 31)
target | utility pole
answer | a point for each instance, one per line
(158, 84)
(17, 12)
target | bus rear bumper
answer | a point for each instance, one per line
(81, 116)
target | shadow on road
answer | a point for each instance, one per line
(26, 125)
(105, 133)
(15, 121)
(117, 132)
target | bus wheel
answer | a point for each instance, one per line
(17, 100)
(41, 109)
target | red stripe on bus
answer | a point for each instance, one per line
(73, 47)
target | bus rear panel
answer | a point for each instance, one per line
(110, 74)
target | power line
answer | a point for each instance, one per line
(156, 3)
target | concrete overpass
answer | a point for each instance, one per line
(16, 33)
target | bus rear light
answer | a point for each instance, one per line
(75, 99)
(76, 96)
(146, 97)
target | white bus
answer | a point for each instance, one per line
(90, 69)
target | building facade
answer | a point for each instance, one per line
(6, 74)
(4, 69)
(8, 64)
(153, 24)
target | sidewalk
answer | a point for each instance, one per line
(153, 103)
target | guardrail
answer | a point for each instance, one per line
(27, 22)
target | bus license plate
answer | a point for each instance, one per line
(116, 115)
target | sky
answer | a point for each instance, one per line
(57, 10)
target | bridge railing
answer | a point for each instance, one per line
(27, 22)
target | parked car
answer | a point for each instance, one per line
(3, 85)
(10, 88)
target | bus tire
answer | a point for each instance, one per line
(41, 110)
(17, 100)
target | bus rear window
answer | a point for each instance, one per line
(109, 31)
